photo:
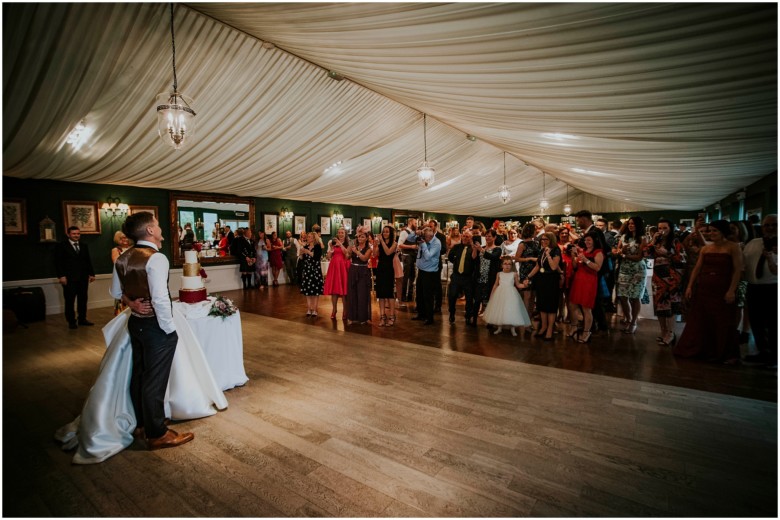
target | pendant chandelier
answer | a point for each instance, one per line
(175, 116)
(567, 206)
(425, 174)
(503, 190)
(543, 204)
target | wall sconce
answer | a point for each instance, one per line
(286, 214)
(114, 207)
(453, 223)
(337, 216)
(376, 218)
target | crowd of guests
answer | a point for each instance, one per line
(720, 278)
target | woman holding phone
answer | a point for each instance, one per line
(668, 268)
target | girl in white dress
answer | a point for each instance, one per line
(505, 307)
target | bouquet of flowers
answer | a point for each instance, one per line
(222, 307)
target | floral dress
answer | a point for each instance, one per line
(668, 271)
(261, 263)
(632, 276)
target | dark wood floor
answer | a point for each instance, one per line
(636, 357)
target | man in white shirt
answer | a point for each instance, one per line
(141, 279)
(760, 256)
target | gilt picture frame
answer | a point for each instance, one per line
(145, 209)
(83, 214)
(14, 217)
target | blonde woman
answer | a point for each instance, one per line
(123, 243)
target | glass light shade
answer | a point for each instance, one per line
(123, 207)
(544, 204)
(567, 209)
(175, 119)
(503, 193)
(426, 175)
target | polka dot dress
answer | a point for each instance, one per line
(311, 274)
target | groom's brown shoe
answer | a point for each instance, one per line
(171, 439)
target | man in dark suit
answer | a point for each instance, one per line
(464, 258)
(75, 273)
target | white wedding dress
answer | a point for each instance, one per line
(105, 426)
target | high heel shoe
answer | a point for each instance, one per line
(630, 329)
(573, 332)
(538, 334)
(333, 315)
(391, 321)
(383, 321)
(671, 341)
(584, 336)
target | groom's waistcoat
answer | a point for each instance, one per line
(131, 268)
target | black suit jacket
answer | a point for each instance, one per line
(76, 267)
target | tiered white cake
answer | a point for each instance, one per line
(192, 289)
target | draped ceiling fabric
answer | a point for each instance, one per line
(635, 106)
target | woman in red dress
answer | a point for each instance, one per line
(336, 280)
(274, 246)
(582, 296)
(567, 266)
(711, 324)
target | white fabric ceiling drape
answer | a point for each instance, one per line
(638, 105)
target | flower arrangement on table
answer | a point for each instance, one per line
(222, 307)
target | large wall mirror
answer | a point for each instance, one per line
(202, 218)
(400, 217)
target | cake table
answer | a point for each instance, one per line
(221, 340)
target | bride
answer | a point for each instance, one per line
(105, 426)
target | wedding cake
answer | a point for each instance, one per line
(192, 289)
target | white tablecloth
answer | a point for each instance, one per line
(221, 341)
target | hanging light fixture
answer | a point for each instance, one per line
(175, 116)
(543, 204)
(503, 190)
(567, 206)
(425, 174)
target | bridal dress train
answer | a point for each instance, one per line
(105, 426)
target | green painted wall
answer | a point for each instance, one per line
(25, 257)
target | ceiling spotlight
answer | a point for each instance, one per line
(332, 74)
(268, 46)
(471, 138)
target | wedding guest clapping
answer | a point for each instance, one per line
(336, 278)
(546, 276)
(358, 301)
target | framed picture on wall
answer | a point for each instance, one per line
(384, 223)
(325, 224)
(688, 222)
(346, 223)
(366, 223)
(82, 214)
(269, 224)
(300, 225)
(14, 217)
(141, 209)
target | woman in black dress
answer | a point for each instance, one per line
(358, 301)
(546, 277)
(311, 273)
(384, 250)
(489, 266)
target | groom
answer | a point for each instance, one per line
(141, 273)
